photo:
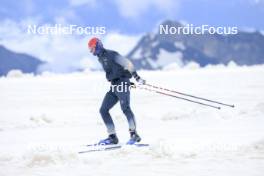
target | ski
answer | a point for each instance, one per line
(97, 148)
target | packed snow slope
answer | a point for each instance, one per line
(45, 120)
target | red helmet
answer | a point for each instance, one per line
(93, 42)
(95, 45)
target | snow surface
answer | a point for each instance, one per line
(45, 120)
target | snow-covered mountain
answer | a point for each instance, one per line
(10, 60)
(155, 51)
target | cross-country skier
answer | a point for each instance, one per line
(118, 71)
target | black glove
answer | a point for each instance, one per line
(133, 85)
(138, 78)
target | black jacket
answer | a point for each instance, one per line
(114, 69)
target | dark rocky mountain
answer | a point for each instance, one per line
(154, 51)
(10, 60)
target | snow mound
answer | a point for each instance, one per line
(18, 74)
(192, 65)
(48, 156)
(40, 120)
(15, 74)
(186, 149)
(232, 64)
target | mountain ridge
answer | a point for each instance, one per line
(10, 60)
(243, 48)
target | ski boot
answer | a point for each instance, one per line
(111, 140)
(134, 137)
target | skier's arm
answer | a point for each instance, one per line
(127, 65)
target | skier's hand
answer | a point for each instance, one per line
(138, 78)
(141, 81)
(133, 85)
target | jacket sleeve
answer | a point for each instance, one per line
(125, 63)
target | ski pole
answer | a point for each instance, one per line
(173, 91)
(159, 92)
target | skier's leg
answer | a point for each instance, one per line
(109, 101)
(124, 98)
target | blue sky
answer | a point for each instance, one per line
(137, 16)
(125, 21)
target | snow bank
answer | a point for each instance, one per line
(14, 74)
(42, 119)
(46, 120)
(18, 74)
(44, 157)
